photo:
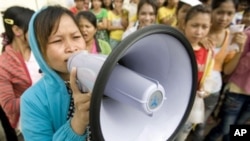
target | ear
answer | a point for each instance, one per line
(17, 31)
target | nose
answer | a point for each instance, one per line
(199, 31)
(83, 29)
(147, 17)
(70, 46)
(224, 17)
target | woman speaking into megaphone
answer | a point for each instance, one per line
(54, 108)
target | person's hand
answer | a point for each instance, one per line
(170, 19)
(99, 25)
(240, 39)
(80, 119)
(202, 93)
(207, 43)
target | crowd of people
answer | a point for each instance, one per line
(39, 97)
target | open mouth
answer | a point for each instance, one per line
(85, 35)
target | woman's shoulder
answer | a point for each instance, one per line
(102, 41)
(163, 8)
(36, 91)
(8, 56)
(104, 45)
(103, 10)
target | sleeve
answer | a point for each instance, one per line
(161, 14)
(105, 47)
(9, 102)
(244, 64)
(109, 15)
(37, 124)
(229, 56)
(105, 13)
(133, 18)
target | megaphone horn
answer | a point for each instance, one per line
(144, 90)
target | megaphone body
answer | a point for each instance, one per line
(142, 91)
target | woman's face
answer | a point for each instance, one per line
(88, 30)
(197, 27)
(79, 4)
(96, 3)
(118, 4)
(62, 43)
(160, 2)
(107, 3)
(146, 15)
(223, 15)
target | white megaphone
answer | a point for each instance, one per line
(144, 90)
(143, 93)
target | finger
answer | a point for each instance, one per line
(73, 83)
(84, 106)
(82, 98)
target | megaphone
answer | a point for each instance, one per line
(144, 90)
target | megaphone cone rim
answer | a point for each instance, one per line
(113, 58)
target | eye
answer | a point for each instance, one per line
(76, 36)
(205, 27)
(55, 41)
(194, 25)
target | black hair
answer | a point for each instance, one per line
(179, 6)
(247, 10)
(87, 15)
(217, 3)
(197, 9)
(92, 19)
(50, 17)
(102, 5)
(150, 2)
(15, 15)
(109, 7)
(246, 2)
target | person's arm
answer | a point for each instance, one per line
(240, 39)
(111, 27)
(105, 47)
(244, 64)
(125, 21)
(37, 122)
(41, 120)
(109, 23)
(165, 18)
(169, 20)
(8, 100)
(104, 23)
